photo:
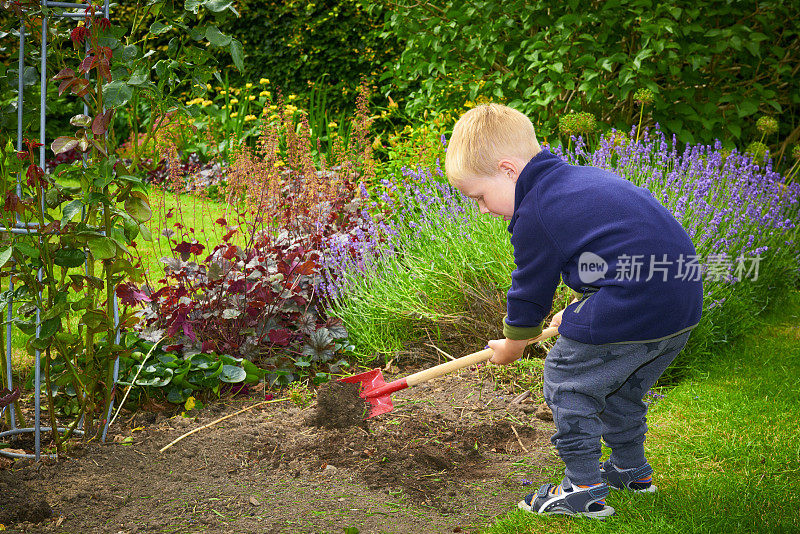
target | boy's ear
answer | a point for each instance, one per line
(510, 168)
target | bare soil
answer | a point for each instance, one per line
(454, 453)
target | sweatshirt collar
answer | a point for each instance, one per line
(538, 166)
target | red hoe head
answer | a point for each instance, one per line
(371, 382)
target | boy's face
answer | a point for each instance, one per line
(494, 194)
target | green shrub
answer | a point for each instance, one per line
(711, 66)
(327, 44)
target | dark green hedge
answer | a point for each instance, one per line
(331, 42)
(715, 66)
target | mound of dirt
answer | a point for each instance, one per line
(428, 452)
(20, 502)
(339, 406)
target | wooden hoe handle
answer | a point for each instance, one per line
(466, 361)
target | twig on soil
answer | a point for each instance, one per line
(440, 350)
(212, 423)
(519, 440)
(519, 398)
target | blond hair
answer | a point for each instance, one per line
(483, 136)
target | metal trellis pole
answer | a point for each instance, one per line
(22, 228)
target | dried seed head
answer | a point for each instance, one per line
(767, 125)
(644, 96)
(757, 150)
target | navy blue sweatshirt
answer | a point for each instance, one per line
(604, 236)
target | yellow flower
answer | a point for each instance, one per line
(251, 98)
(278, 163)
(234, 100)
(332, 125)
(208, 86)
(264, 93)
(273, 108)
(207, 103)
(234, 115)
(223, 92)
(250, 118)
(292, 97)
(248, 85)
(263, 81)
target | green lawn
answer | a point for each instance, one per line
(725, 446)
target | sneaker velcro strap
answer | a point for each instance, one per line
(579, 501)
(544, 490)
(598, 491)
(641, 472)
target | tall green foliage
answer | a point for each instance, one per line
(332, 44)
(712, 65)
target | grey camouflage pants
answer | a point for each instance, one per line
(597, 390)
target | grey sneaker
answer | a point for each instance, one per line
(639, 479)
(567, 499)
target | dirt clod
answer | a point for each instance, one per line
(20, 502)
(339, 406)
(543, 412)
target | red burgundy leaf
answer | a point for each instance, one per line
(64, 74)
(229, 235)
(279, 336)
(131, 295)
(237, 286)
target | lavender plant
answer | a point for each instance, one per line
(422, 248)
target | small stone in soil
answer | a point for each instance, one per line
(339, 406)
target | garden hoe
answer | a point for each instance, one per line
(377, 392)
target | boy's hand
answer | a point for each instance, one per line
(556, 320)
(507, 350)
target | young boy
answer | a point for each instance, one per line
(637, 275)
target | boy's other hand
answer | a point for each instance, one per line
(507, 350)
